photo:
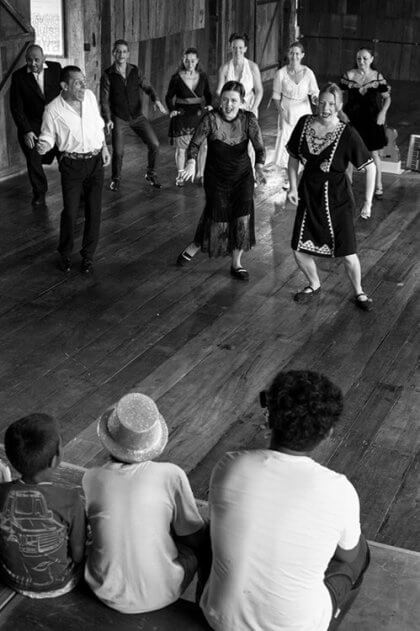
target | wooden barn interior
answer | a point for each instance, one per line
(199, 343)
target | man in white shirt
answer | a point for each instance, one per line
(72, 121)
(147, 532)
(288, 553)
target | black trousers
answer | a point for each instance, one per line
(34, 164)
(77, 177)
(141, 128)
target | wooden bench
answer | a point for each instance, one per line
(389, 599)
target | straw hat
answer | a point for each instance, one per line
(133, 430)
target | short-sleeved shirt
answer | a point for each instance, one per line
(38, 524)
(275, 521)
(132, 510)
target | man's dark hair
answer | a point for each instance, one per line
(31, 443)
(302, 408)
(31, 47)
(120, 42)
(243, 36)
(66, 73)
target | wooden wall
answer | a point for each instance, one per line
(333, 30)
(158, 31)
(15, 34)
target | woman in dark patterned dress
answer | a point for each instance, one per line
(324, 224)
(226, 226)
(188, 95)
(368, 100)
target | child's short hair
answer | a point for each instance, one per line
(31, 443)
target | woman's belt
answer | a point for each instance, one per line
(193, 100)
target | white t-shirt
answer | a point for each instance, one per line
(275, 521)
(131, 564)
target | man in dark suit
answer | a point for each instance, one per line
(32, 87)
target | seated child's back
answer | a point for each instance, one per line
(42, 524)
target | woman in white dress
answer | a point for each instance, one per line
(294, 88)
(242, 69)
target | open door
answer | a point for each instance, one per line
(15, 34)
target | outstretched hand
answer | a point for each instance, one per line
(259, 176)
(366, 210)
(189, 172)
(30, 139)
(159, 106)
(292, 196)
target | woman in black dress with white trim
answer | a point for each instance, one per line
(324, 224)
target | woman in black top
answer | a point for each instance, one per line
(226, 226)
(368, 100)
(187, 97)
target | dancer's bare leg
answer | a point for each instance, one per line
(377, 160)
(307, 265)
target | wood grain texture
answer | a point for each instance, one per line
(203, 345)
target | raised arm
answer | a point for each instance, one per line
(386, 102)
(203, 130)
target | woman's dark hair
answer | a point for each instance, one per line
(235, 86)
(66, 73)
(302, 408)
(372, 52)
(242, 36)
(31, 443)
(296, 44)
(189, 51)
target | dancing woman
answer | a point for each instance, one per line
(226, 226)
(324, 223)
(368, 100)
(294, 89)
(187, 97)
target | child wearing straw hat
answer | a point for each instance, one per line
(146, 529)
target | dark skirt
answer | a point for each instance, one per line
(324, 223)
(227, 222)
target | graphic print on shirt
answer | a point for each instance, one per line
(28, 524)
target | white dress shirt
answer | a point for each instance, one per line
(70, 131)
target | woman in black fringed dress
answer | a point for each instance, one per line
(324, 224)
(226, 226)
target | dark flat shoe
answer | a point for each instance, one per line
(239, 272)
(183, 259)
(305, 295)
(364, 305)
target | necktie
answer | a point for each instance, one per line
(38, 78)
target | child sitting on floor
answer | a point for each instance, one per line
(42, 524)
(146, 530)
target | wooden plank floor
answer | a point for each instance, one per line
(202, 344)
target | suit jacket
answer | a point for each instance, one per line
(27, 102)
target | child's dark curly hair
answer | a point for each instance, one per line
(302, 408)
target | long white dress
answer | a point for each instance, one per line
(247, 80)
(294, 103)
